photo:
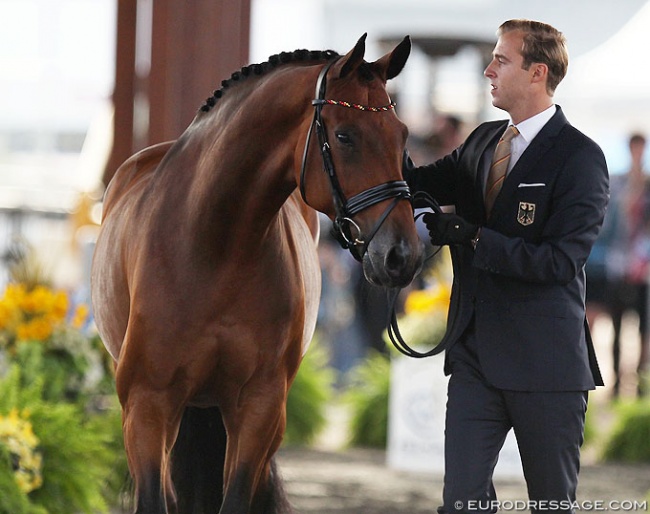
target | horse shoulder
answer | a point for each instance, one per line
(135, 169)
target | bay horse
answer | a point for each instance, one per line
(206, 279)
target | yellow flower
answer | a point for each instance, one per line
(10, 305)
(27, 315)
(7, 315)
(80, 315)
(60, 305)
(15, 293)
(37, 329)
(17, 435)
(431, 300)
(27, 434)
(35, 301)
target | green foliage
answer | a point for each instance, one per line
(63, 371)
(630, 438)
(109, 424)
(77, 451)
(308, 397)
(591, 431)
(368, 400)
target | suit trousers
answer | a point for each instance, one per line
(548, 426)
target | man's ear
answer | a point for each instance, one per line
(540, 72)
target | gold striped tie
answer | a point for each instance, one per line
(499, 167)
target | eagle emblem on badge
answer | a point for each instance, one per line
(526, 213)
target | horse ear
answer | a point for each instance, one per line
(390, 65)
(354, 57)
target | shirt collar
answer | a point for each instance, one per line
(529, 128)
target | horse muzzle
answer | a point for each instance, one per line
(392, 263)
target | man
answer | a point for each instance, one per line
(519, 350)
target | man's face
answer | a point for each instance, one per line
(510, 82)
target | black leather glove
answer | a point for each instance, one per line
(449, 229)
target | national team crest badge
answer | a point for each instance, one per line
(526, 213)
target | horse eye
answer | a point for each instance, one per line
(344, 138)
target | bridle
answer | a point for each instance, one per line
(345, 229)
(346, 209)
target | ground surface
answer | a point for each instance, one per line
(358, 481)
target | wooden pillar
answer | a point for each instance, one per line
(194, 46)
(124, 89)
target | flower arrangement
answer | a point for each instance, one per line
(42, 332)
(54, 457)
(59, 452)
(18, 439)
(34, 314)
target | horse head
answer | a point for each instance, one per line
(359, 142)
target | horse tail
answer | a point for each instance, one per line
(275, 501)
(198, 461)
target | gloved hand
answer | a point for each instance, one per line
(449, 229)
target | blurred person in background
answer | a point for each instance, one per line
(624, 250)
(447, 135)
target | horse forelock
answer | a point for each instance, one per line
(366, 73)
(284, 58)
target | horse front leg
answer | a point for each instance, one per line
(255, 429)
(150, 426)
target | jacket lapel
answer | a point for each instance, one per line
(531, 157)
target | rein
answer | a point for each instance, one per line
(345, 209)
(392, 327)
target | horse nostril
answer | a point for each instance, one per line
(396, 259)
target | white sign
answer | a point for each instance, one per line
(416, 421)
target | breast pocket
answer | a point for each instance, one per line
(531, 205)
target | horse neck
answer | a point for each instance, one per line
(248, 147)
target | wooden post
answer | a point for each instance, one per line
(194, 46)
(124, 89)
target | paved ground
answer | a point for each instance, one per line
(358, 481)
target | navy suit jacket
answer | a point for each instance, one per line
(524, 284)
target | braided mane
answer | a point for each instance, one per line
(260, 69)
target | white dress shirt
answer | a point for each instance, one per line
(528, 129)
